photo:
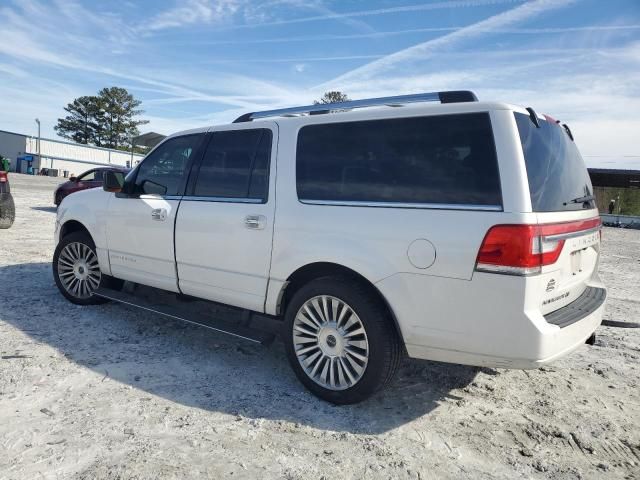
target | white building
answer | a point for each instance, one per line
(24, 151)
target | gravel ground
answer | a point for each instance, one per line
(111, 392)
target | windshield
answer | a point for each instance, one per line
(558, 178)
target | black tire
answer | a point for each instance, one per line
(7, 210)
(104, 280)
(385, 350)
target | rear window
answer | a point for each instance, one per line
(558, 178)
(446, 159)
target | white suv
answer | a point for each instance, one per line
(446, 229)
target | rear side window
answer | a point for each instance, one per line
(558, 177)
(236, 165)
(446, 159)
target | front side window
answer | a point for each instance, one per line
(164, 171)
(236, 165)
(445, 159)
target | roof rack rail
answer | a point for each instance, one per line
(453, 96)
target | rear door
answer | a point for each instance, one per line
(561, 193)
(224, 228)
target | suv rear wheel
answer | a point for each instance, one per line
(340, 340)
(76, 270)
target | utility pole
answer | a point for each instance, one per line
(38, 144)
(132, 145)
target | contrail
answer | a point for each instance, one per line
(425, 49)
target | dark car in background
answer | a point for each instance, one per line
(90, 179)
(7, 207)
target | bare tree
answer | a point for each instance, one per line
(332, 97)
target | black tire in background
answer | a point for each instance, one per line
(7, 210)
(384, 346)
(80, 239)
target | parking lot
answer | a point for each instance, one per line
(111, 392)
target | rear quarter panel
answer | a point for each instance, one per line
(375, 241)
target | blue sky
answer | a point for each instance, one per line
(202, 62)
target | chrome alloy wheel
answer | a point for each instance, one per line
(330, 342)
(78, 270)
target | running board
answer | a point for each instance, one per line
(240, 323)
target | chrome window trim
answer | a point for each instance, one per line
(150, 196)
(425, 206)
(222, 199)
(195, 198)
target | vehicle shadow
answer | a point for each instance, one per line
(45, 209)
(208, 370)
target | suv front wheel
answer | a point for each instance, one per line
(340, 340)
(76, 270)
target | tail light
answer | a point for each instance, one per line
(525, 249)
(4, 178)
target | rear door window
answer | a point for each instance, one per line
(236, 165)
(444, 159)
(558, 177)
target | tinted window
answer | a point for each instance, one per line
(164, 170)
(448, 159)
(236, 165)
(558, 178)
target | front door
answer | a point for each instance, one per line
(224, 227)
(140, 222)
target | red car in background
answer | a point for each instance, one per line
(90, 179)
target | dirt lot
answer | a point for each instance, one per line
(109, 392)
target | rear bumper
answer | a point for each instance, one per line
(555, 346)
(484, 322)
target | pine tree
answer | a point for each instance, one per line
(105, 120)
(118, 109)
(80, 125)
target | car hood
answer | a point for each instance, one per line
(88, 198)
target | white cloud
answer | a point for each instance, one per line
(411, 31)
(193, 11)
(328, 15)
(261, 15)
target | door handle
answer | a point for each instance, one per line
(159, 214)
(255, 222)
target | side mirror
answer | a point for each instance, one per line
(113, 181)
(73, 179)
